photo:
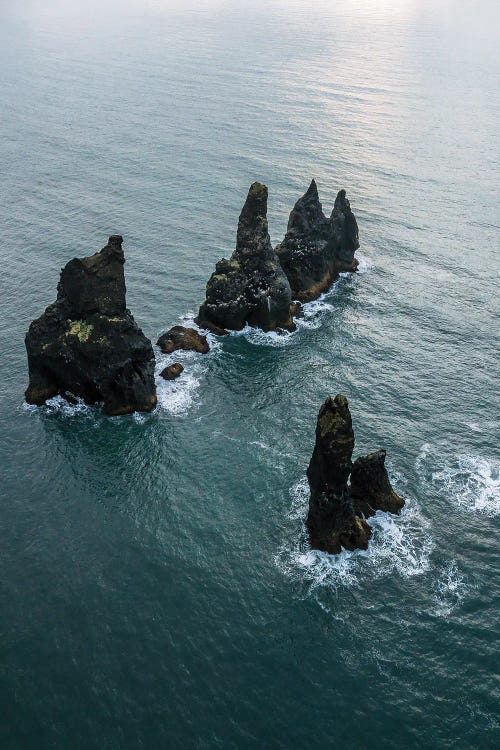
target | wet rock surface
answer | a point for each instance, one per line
(371, 489)
(316, 248)
(331, 521)
(336, 509)
(180, 337)
(171, 372)
(251, 287)
(87, 344)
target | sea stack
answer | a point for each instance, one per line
(251, 287)
(87, 344)
(331, 521)
(337, 510)
(316, 249)
(371, 489)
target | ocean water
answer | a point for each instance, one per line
(157, 590)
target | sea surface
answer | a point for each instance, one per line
(157, 590)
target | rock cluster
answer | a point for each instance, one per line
(87, 344)
(316, 249)
(337, 510)
(251, 287)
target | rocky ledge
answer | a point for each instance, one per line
(251, 287)
(337, 510)
(87, 344)
(316, 249)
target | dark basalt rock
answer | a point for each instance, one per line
(371, 489)
(251, 287)
(345, 234)
(316, 249)
(180, 337)
(172, 371)
(337, 511)
(87, 344)
(332, 522)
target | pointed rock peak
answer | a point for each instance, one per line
(114, 248)
(310, 197)
(334, 415)
(330, 464)
(96, 283)
(307, 214)
(312, 190)
(256, 202)
(341, 204)
(252, 237)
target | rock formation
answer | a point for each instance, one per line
(371, 489)
(316, 249)
(336, 510)
(87, 344)
(251, 286)
(171, 372)
(331, 521)
(180, 337)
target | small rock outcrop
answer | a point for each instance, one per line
(316, 249)
(87, 344)
(331, 521)
(172, 371)
(337, 510)
(371, 489)
(251, 287)
(180, 337)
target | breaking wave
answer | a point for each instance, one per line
(59, 405)
(400, 544)
(180, 395)
(472, 484)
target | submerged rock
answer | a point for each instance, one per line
(371, 489)
(87, 344)
(337, 510)
(251, 287)
(316, 249)
(172, 371)
(180, 337)
(331, 521)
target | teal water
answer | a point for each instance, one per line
(156, 586)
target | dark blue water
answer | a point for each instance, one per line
(157, 590)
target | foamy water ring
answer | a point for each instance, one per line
(400, 544)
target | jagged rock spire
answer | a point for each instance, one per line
(87, 344)
(331, 521)
(251, 287)
(316, 249)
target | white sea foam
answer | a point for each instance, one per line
(59, 405)
(314, 314)
(264, 338)
(316, 311)
(450, 588)
(177, 396)
(181, 395)
(472, 484)
(400, 545)
(365, 264)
